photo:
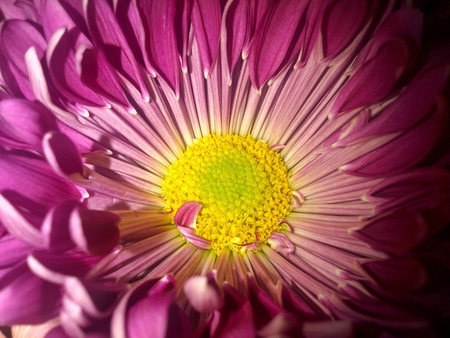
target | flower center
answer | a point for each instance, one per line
(243, 187)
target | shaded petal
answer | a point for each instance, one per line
(206, 21)
(161, 40)
(276, 40)
(26, 121)
(62, 154)
(27, 299)
(203, 293)
(94, 231)
(396, 275)
(106, 33)
(186, 215)
(396, 232)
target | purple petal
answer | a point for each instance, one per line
(396, 232)
(62, 154)
(161, 40)
(276, 41)
(107, 35)
(34, 179)
(342, 21)
(98, 75)
(235, 319)
(203, 293)
(150, 299)
(206, 21)
(26, 121)
(62, 67)
(403, 152)
(16, 38)
(94, 231)
(368, 84)
(17, 225)
(397, 275)
(13, 251)
(281, 244)
(27, 299)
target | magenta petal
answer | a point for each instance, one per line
(187, 214)
(13, 251)
(342, 21)
(33, 180)
(161, 40)
(26, 121)
(94, 231)
(206, 20)
(62, 67)
(106, 33)
(203, 293)
(411, 106)
(55, 228)
(17, 225)
(62, 154)
(98, 75)
(26, 299)
(276, 41)
(95, 298)
(150, 299)
(281, 244)
(403, 152)
(16, 38)
(368, 84)
(397, 275)
(396, 232)
(235, 319)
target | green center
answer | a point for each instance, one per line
(242, 184)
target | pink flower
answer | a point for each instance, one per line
(221, 169)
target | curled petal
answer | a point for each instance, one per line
(94, 231)
(187, 214)
(62, 154)
(197, 241)
(203, 293)
(280, 243)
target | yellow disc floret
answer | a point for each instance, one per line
(242, 184)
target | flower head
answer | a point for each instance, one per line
(220, 168)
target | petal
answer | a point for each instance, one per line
(203, 293)
(26, 121)
(94, 231)
(396, 232)
(106, 33)
(62, 154)
(187, 214)
(27, 299)
(206, 21)
(396, 275)
(276, 40)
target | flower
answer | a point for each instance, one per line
(220, 168)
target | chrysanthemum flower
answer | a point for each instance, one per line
(220, 168)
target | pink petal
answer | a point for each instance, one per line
(203, 293)
(187, 214)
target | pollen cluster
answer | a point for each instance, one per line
(242, 184)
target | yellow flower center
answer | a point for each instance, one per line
(242, 184)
